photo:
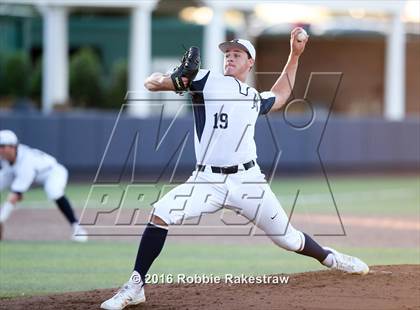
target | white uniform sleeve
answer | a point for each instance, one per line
(3, 178)
(25, 175)
(6, 175)
(267, 100)
(200, 80)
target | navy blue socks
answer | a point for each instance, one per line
(313, 249)
(64, 205)
(151, 245)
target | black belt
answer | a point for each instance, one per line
(227, 170)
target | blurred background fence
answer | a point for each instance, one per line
(348, 145)
(66, 66)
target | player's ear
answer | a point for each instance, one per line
(251, 63)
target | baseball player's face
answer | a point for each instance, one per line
(237, 63)
(8, 152)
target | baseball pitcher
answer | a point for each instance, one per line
(227, 174)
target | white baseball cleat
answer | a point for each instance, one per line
(79, 234)
(348, 263)
(131, 293)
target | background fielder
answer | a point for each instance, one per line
(20, 167)
(227, 174)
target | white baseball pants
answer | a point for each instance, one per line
(246, 192)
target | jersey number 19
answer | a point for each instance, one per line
(220, 120)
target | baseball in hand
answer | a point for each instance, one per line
(301, 36)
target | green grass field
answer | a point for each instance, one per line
(356, 195)
(29, 268)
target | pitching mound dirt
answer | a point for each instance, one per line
(385, 287)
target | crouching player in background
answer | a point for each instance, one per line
(20, 167)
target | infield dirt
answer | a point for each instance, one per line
(385, 287)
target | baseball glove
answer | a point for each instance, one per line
(190, 64)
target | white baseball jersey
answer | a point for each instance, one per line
(225, 113)
(33, 166)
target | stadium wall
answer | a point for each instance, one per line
(89, 141)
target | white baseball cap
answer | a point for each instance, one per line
(241, 44)
(8, 137)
